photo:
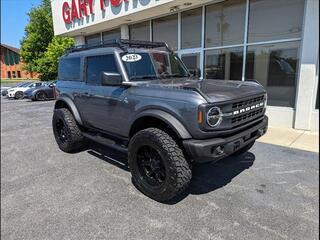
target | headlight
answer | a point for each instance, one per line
(10, 90)
(214, 117)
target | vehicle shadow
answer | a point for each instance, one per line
(109, 155)
(209, 177)
(206, 177)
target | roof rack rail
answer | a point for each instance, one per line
(124, 44)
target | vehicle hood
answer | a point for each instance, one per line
(213, 90)
(18, 89)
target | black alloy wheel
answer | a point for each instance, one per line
(158, 166)
(41, 96)
(66, 131)
(62, 130)
(151, 166)
(19, 95)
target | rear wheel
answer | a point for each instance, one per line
(66, 131)
(158, 166)
(41, 96)
(18, 95)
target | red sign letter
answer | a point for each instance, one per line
(66, 12)
(82, 7)
(115, 3)
(90, 6)
(102, 5)
(74, 10)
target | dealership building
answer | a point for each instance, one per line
(275, 42)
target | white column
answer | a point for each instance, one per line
(308, 64)
(125, 31)
(79, 40)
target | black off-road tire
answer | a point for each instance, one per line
(19, 95)
(74, 141)
(244, 149)
(178, 171)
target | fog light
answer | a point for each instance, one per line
(217, 151)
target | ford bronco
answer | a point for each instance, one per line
(139, 97)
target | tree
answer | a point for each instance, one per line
(47, 65)
(38, 35)
(40, 50)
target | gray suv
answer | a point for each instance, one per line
(140, 98)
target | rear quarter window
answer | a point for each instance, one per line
(69, 69)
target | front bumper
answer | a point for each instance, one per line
(10, 94)
(213, 149)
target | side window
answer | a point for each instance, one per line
(97, 65)
(69, 69)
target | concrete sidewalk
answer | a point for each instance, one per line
(298, 139)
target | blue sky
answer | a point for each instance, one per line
(14, 19)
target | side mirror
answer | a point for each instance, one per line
(111, 79)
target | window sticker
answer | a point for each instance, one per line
(131, 58)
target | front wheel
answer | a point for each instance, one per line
(158, 166)
(18, 95)
(66, 131)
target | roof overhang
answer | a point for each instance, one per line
(102, 15)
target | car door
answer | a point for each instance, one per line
(102, 104)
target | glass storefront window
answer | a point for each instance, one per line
(317, 99)
(225, 23)
(275, 67)
(95, 38)
(140, 31)
(274, 19)
(191, 22)
(224, 64)
(112, 34)
(192, 62)
(165, 29)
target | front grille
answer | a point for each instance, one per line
(251, 101)
(247, 116)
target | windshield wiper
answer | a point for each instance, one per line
(143, 77)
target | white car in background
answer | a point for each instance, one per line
(18, 92)
(4, 90)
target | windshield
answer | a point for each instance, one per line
(22, 84)
(154, 65)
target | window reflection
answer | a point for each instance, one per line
(111, 35)
(191, 22)
(224, 64)
(192, 62)
(275, 67)
(274, 19)
(166, 30)
(95, 38)
(225, 23)
(140, 31)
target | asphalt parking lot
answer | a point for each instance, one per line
(270, 193)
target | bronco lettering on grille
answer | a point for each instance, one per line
(243, 110)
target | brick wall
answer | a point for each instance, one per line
(12, 69)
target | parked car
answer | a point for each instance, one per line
(18, 92)
(41, 93)
(138, 98)
(4, 90)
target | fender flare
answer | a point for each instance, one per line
(166, 117)
(71, 106)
